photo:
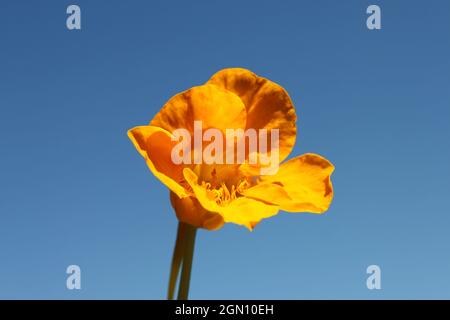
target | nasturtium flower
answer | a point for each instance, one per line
(209, 195)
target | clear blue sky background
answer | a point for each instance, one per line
(75, 191)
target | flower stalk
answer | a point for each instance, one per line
(182, 258)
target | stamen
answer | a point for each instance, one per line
(222, 195)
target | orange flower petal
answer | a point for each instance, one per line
(214, 106)
(302, 184)
(268, 105)
(243, 211)
(248, 212)
(155, 145)
(190, 211)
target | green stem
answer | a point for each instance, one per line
(189, 244)
(177, 258)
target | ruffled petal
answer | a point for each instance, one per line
(302, 184)
(214, 106)
(268, 105)
(155, 145)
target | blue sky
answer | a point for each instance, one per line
(75, 191)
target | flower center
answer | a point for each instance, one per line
(222, 195)
(223, 183)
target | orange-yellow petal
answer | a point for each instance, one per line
(302, 184)
(155, 145)
(189, 210)
(214, 106)
(247, 212)
(268, 105)
(242, 210)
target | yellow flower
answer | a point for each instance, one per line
(207, 195)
